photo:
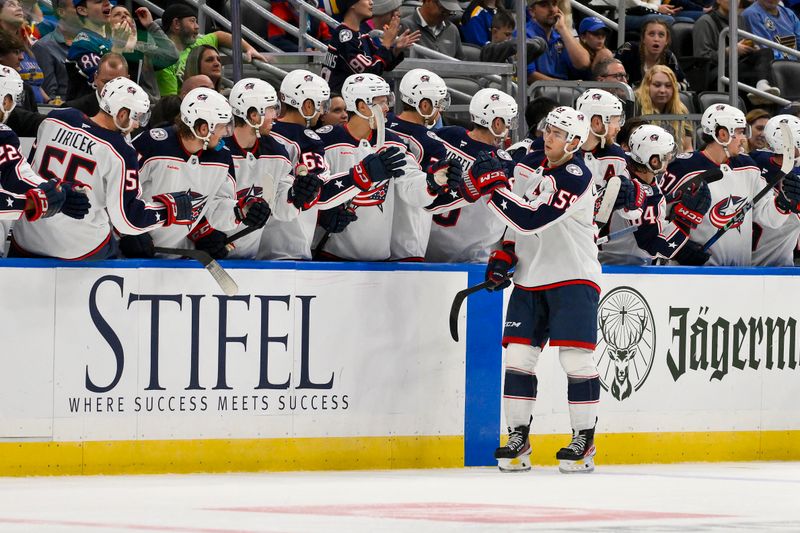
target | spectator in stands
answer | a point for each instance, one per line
(754, 63)
(535, 112)
(592, 34)
(148, 49)
(476, 22)
(111, 66)
(639, 57)
(503, 26)
(659, 94)
(337, 113)
(12, 21)
(564, 52)
(169, 107)
(757, 120)
(51, 50)
(179, 22)
(383, 11)
(287, 12)
(11, 56)
(637, 12)
(774, 22)
(351, 51)
(205, 60)
(432, 20)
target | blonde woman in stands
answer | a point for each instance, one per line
(659, 95)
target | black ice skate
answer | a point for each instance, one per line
(515, 456)
(578, 455)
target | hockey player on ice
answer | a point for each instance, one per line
(425, 97)
(22, 191)
(652, 149)
(193, 155)
(468, 233)
(305, 96)
(775, 246)
(95, 154)
(724, 131)
(376, 180)
(550, 243)
(263, 169)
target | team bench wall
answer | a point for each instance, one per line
(145, 366)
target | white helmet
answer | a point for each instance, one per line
(723, 116)
(488, 104)
(364, 87)
(648, 141)
(208, 105)
(599, 102)
(573, 122)
(774, 134)
(250, 93)
(122, 93)
(301, 85)
(420, 84)
(10, 85)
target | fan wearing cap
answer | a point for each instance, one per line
(592, 34)
(432, 20)
(95, 155)
(179, 22)
(352, 52)
(564, 51)
(383, 12)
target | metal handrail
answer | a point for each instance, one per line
(581, 84)
(288, 28)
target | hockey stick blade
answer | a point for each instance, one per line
(458, 300)
(609, 198)
(223, 279)
(616, 235)
(787, 164)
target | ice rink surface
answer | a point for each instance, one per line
(688, 497)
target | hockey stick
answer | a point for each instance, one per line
(222, 278)
(786, 167)
(458, 300)
(607, 204)
(616, 235)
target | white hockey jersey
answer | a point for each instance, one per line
(550, 216)
(70, 146)
(166, 167)
(263, 170)
(741, 181)
(369, 237)
(774, 246)
(16, 177)
(464, 233)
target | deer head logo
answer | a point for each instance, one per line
(627, 341)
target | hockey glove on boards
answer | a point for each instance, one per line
(631, 195)
(252, 211)
(500, 264)
(182, 207)
(209, 240)
(693, 204)
(485, 175)
(444, 176)
(137, 246)
(788, 198)
(305, 190)
(336, 220)
(386, 164)
(691, 254)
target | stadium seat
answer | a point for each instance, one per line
(688, 99)
(472, 52)
(709, 98)
(465, 86)
(682, 39)
(562, 95)
(784, 71)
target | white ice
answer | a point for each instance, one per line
(688, 497)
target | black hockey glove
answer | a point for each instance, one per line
(693, 204)
(485, 175)
(788, 198)
(631, 195)
(209, 240)
(305, 189)
(47, 199)
(384, 165)
(252, 211)
(691, 254)
(500, 264)
(182, 207)
(444, 176)
(76, 204)
(335, 220)
(137, 246)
